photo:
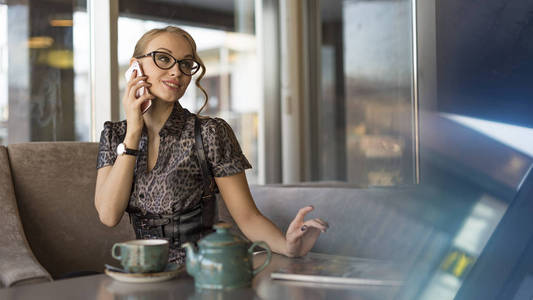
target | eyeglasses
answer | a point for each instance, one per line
(165, 61)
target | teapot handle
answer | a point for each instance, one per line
(267, 260)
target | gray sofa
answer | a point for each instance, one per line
(52, 228)
(51, 224)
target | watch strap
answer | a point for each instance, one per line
(127, 150)
(131, 151)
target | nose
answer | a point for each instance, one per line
(175, 70)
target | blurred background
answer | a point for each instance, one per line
(434, 96)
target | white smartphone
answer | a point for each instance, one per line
(135, 66)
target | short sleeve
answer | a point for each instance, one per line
(106, 153)
(224, 153)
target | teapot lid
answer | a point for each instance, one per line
(221, 237)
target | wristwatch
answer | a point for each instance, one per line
(122, 149)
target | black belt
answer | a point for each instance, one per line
(177, 228)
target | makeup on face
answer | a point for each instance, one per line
(167, 85)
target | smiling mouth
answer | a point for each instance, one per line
(171, 85)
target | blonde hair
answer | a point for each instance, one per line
(140, 47)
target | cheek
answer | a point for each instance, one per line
(151, 73)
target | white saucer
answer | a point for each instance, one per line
(171, 271)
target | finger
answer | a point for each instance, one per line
(133, 75)
(311, 226)
(302, 212)
(315, 224)
(298, 221)
(145, 97)
(142, 84)
(322, 222)
(135, 81)
(297, 233)
(310, 229)
(134, 89)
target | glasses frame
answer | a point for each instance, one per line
(176, 61)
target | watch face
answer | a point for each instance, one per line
(121, 149)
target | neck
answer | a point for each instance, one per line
(157, 115)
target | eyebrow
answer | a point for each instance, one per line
(188, 55)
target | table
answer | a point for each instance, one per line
(102, 287)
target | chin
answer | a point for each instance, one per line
(168, 98)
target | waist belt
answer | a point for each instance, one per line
(178, 228)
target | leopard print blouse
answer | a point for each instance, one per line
(175, 183)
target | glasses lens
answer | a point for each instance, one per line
(189, 66)
(163, 60)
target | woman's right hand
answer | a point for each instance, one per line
(132, 104)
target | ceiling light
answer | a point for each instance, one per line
(61, 23)
(40, 42)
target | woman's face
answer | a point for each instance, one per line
(167, 85)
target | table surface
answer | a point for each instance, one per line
(102, 287)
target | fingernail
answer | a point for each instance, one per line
(304, 228)
(311, 206)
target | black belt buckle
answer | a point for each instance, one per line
(144, 223)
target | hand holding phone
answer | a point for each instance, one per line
(135, 66)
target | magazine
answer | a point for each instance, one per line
(324, 268)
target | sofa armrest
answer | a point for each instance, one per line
(18, 265)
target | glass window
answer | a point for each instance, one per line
(44, 59)
(474, 119)
(224, 32)
(365, 101)
(475, 140)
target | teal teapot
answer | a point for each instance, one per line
(223, 260)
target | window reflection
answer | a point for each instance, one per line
(516, 137)
(475, 177)
(466, 247)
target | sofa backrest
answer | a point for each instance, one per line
(363, 222)
(54, 187)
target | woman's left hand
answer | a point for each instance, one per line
(302, 235)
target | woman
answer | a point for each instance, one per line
(159, 179)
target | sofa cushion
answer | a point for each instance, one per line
(54, 186)
(17, 263)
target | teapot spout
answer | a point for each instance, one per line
(193, 259)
